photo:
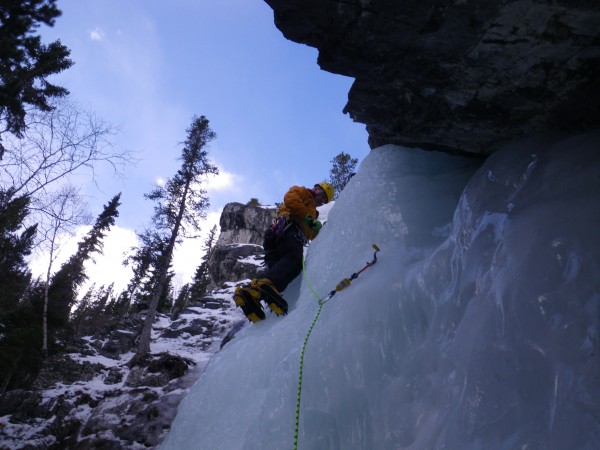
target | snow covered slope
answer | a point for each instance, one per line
(477, 327)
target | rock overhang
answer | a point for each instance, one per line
(461, 77)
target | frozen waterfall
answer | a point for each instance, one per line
(477, 328)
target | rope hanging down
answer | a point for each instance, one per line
(341, 285)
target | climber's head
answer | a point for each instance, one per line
(324, 192)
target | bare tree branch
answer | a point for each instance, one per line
(56, 144)
(66, 212)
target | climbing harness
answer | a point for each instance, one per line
(340, 286)
(280, 224)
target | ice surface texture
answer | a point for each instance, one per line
(476, 329)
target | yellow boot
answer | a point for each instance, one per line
(248, 298)
(271, 295)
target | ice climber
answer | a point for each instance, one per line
(295, 224)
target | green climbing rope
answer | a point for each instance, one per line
(342, 285)
(321, 303)
(312, 325)
(312, 289)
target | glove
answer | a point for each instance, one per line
(314, 224)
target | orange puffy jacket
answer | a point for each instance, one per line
(299, 202)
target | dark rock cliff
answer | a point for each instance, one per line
(464, 75)
(238, 252)
(244, 224)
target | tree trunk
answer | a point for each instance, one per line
(10, 374)
(145, 336)
(45, 323)
(45, 313)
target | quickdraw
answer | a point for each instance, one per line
(347, 281)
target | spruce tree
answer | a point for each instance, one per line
(19, 329)
(20, 339)
(341, 171)
(14, 248)
(143, 297)
(83, 311)
(117, 306)
(62, 291)
(143, 261)
(26, 63)
(180, 206)
(92, 310)
(181, 301)
(202, 277)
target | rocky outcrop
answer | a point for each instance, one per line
(463, 76)
(234, 263)
(238, 252)
(244, 224)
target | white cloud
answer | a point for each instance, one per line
(224, 181)
(97, 34)
(64, 248)
(188, 255)
(107, 267)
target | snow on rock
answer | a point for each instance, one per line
(86, 399)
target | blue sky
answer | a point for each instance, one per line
(148, 66)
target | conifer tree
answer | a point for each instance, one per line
(92, 310)
(18, 331)
(143, 297)
(119, 306)
(14, 248)
(62, 290)
(83, 311)
(202, 277)
(341, 171)
(181, 205)
(26, 63)
(20, 337)
(181, 301)
(102, 298)
(142, 262)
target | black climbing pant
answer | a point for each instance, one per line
(283, 256)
